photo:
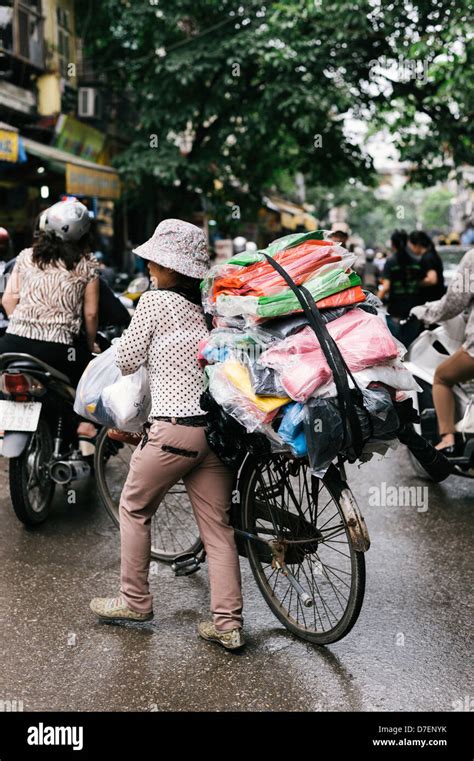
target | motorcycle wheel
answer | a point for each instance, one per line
(31, 489)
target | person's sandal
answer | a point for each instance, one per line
(232, 639)
(447, 450)
(115, 609)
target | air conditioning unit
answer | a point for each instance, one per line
(88, 103)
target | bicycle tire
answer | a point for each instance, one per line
(334, 485)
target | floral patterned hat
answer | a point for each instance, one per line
(178, 245)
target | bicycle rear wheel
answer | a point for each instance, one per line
(174, 530)
(306, 537)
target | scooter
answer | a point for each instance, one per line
(423, 357)
(40, 434)
(39, 427)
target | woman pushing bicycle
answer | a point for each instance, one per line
(164, 335)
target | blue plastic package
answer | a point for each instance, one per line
(291, 428)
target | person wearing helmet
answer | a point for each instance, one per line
(52, 290)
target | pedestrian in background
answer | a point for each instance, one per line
(432, 284)
(401, 280)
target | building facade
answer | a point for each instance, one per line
(55, 139)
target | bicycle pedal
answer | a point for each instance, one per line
(185, 565)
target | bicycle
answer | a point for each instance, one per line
(304, 537)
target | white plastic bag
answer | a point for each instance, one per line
(100, 372)
(127, 402)
(109, 398)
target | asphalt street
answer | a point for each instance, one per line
(408, 651)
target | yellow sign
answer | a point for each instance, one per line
(8, 145)
(82, 181)
(78, 138)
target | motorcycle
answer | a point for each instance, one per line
(423, 357)
(40, 434)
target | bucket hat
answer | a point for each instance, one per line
(178, 245)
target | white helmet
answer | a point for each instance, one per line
(68, 219)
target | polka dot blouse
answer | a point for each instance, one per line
(164, 335)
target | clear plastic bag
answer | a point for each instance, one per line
(265, 381)
(100, 372)
(236, 403)
(291, 428)
(325, 429)
(109, 398)
(393, 374)
(379, 419)
(362, 338)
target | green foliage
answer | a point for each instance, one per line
(426, 84)
(263, 90)
(435, 209)
(257, 86)
(375, 217)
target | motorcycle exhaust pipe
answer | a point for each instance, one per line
(65, 471)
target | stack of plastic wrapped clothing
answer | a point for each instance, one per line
(263, 361)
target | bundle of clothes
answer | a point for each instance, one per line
(264, 363)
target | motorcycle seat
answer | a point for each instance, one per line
(12, 361)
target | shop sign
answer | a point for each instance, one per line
(82, 181)
(8, 146)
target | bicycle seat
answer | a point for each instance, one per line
(13, 361)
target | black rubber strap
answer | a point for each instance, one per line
(333, 357)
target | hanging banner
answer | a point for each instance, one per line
(82, 181)
(8, 146)
(78, 138)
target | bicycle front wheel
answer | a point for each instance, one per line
(310, 574)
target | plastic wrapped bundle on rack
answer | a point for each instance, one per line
(265, 366)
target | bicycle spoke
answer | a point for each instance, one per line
(288, 508)
(173, 527)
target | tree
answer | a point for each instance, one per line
(423, 88)
(435, 210)
(228, 97)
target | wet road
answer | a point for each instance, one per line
(408, 651)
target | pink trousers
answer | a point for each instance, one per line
(175, 452)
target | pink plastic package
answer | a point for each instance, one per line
(363, 339)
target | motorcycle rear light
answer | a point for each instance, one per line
(17, 384)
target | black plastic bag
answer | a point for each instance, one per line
(228, 438)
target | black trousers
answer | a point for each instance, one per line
(70, 359)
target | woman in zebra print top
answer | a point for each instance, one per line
(52, 290)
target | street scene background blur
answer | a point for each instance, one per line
(251, 120)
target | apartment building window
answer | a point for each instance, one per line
(21, 30)
(64, 39)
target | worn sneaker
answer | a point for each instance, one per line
(115, 609)
(231, 639)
